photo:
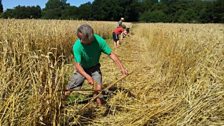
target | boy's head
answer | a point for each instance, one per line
(123, 26)
(128, 30)
(85, 33)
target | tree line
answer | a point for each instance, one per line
(185, 11)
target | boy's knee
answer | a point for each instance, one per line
(75, 81)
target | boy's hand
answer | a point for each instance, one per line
(124, 72)
(90, 80)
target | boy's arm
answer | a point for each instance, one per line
(80, 69)
(118, 63)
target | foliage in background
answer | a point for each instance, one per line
(191, 11)
(1, 7)
(23, 12)
(54, 9)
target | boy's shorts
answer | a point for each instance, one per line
(76, 80)
(115, 37)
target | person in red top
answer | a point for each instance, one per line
(119, 30)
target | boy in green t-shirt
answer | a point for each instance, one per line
(87, 50)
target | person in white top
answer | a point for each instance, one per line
(120, 21)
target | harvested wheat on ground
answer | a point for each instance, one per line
(175, 75)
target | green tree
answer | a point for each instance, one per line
(131, 10)
(104, 8)
(85, 11)
(8, 13)
(1, 7)
(176, 8)
(54, 4)
(54, 9)
(218, 10)
(146, 5)
(70, 12)
(212, 12)
(155, 16)
(52, 13)
(115, 9)
(22, 12)
(188, 16)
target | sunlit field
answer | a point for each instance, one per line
(176, 75)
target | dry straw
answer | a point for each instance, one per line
(178, 80)
(35, 62)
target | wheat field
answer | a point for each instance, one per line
(177, 75)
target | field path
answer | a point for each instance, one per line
(133, 53)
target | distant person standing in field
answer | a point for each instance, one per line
(116, 35)
(87, 50)
(120, 22)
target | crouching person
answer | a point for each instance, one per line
(87, 50)
(116, 35)
(126, 32)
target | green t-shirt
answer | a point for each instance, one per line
(89, 55)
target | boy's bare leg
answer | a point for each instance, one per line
(115, 44)
(118, 43)
(98, 88)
